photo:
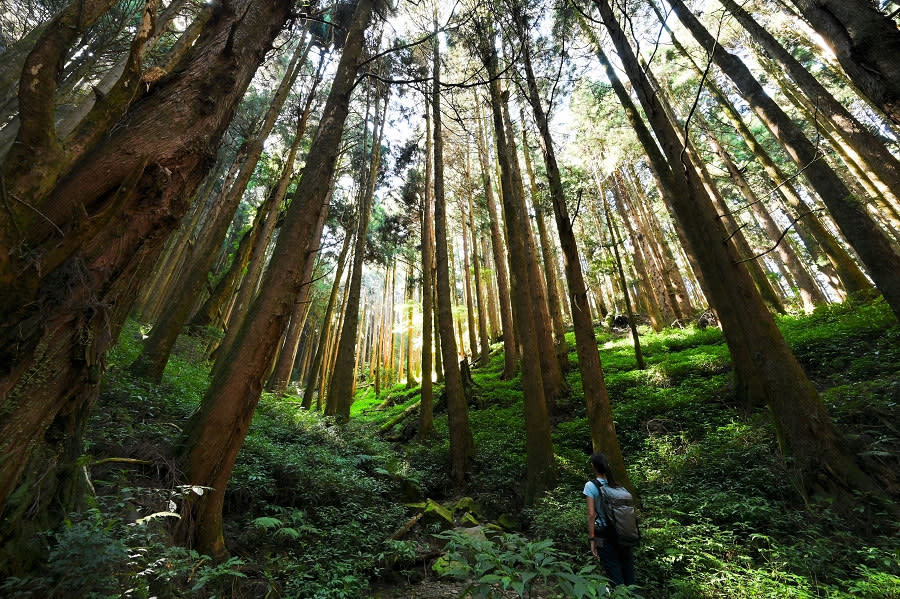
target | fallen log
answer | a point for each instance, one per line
(399, 417)
(403, 530)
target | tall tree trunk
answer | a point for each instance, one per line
(490, 289)
(316, 364)
(215, 434)
(651, 292)
(359, 340)
(810, 295)
(157, 348)
(764, 365)
(284, 364)
(212, 310)
(540, 470)
(735, 232)
(600, 417)
(461, 445)
(626, 295)
(842, 265)
(866, 43)
(133, 190)
(410, 297)
(551, 373)
(679, 299)
(485, 353)
(548, 257)
(467, 280)
(872, 154)
(869, 241)
(438, 359)
(340, 387)
(506, 321)
(426, 415)
(863, 181)
(331, 355)
(647, 141)
(250, 281)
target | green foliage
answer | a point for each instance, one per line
(313, 502)
(517, 564)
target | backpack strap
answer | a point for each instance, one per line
(597, 508)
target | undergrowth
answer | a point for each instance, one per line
(311, 504)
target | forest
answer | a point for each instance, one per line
(337, 298)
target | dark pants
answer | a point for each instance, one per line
(618, 561)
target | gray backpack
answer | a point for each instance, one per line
(620, 522)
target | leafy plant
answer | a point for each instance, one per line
(517, 564)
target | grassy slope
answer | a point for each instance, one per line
(310, 503)
(720, 518)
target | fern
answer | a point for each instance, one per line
(267, 523)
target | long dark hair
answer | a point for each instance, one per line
(601, 465)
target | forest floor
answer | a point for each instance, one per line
(311, 503)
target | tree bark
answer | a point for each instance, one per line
(540, 469)
(764, 365)
(340, 387)
(866, 44)
(215, 434)
(806, 287)
(461, 445)
(600, 417)
(842, 265)
(548, 256)
(485, 353)
(870, 242)
(426, 412)
(151, 363)
(467, 280)
(284, 364)
(510, 364)
(551, 373)
(872, 154)
(132, 192)
(316, 365)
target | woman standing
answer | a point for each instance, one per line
(618, 559)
